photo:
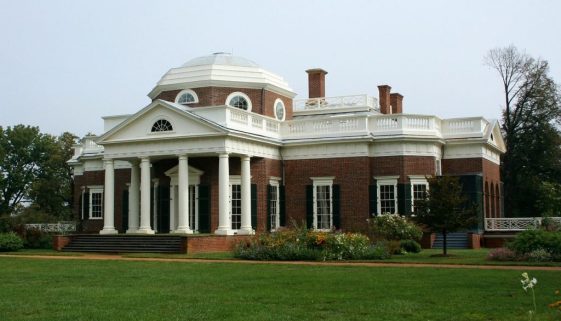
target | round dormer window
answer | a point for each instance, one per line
(186, 97)
(161, 125)
(280, 110)
(239, 100)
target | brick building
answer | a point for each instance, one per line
(225, 148)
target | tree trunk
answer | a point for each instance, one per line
(444, 250)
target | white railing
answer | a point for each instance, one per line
(332, 126)
(322, 103)
(90, 146)
(404, 123)
(459, 126)
(61, 227)
(515, 224)
(250, 122)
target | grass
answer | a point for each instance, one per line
(41, 252)
(34, 289)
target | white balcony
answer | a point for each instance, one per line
(344, 125)
(515, 224)
(405, 124)
(325, 105)
(89, 145)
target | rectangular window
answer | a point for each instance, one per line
(96, 203)
(323, 203)
(387, 194)
(419, 191)
(274, 207)
(387, 199)
(236, 206)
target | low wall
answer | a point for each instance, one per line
(494, 241)
(212, 243)
(60, 241)
(474, 240)
(428, 240)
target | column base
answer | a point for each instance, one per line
(182, 231)
(108, 231)
(246, 231)
(145, 231)
(132, 231)
(224, 231)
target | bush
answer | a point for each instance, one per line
(502, 254)
(539, 255)
(35, 239)
(533, 240)
(393, 227)
(410, 246)
(10, 242)
(300, 243)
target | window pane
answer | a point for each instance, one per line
(274, 207)
(323, 207)
(236, 207)
(96, 209)
(387, 199)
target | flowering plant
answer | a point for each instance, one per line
(528, 283)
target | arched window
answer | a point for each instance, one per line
(186, 97)
(487, 213)
(239, 100)
(161, 125)
(280, 110)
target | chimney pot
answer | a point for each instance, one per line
(384, 91)
(316, 82)
(396, 102)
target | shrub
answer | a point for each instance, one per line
(10, 242)
(393, 227)
(502, 254)
(410, 246)
(539, 255)
(35, 239)
(533, 240)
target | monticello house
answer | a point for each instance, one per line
(224, 148)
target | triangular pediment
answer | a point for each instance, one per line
(494, 136)
(138, 127)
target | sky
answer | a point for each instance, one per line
(65, 64)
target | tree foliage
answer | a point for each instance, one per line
(33, 169)
(529, 124)
(445, 208)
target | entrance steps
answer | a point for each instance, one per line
(459, 240)
(126, 244)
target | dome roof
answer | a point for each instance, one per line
(220, 58)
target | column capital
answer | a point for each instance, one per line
(182, 156)
(223, 155)
(245, 157)
(108, 160)
(134, 162)
(144, 159)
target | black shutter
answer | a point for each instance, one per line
(269, 200)
(254, 206)
(310, 206)
(86, 204)
(373, 197)
(336, 206)
(204, 209)
(404, 199)
(282, 206)
(125, 210)
(163, 209)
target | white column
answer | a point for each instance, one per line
(134, 195)
(145, 227)
(246, 196)
(109, 193)
(224, 219)
(183, 194)
(155, 203)
(171, 208)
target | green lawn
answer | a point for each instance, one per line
(34, 289)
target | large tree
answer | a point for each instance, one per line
(530, 117)
(33, 170)
(445, 208)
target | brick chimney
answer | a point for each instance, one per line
(384, 91)
(316, 82)
(396, 102)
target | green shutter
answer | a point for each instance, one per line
(254, 206)
(269, 194)
(86, 204)
(282, 206)
(163, 208)
(336, 206)
(373, 197)
(404, 199)
(204, 209)
(125, 211)
(310, 206)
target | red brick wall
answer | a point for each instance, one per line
(402, 166)
(262, 100)
(352, 174)
(213, 243)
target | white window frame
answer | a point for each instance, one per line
(158, 118)
(187, 91)
(317, 182)
(276, 210)
(438, 167)
(277, 101)
(82, 195)
(234, 180)
(385, 181)
(417, 180)
(238, 93)
(95, 190)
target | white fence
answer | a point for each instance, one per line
(61, 227)
(515, 224)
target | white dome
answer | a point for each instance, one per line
(220, 58)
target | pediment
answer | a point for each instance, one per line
(138, 127)
(494, 136)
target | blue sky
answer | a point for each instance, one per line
(64, 64)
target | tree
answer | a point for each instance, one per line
(33, 170)
(445, 208)
(533, 143)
